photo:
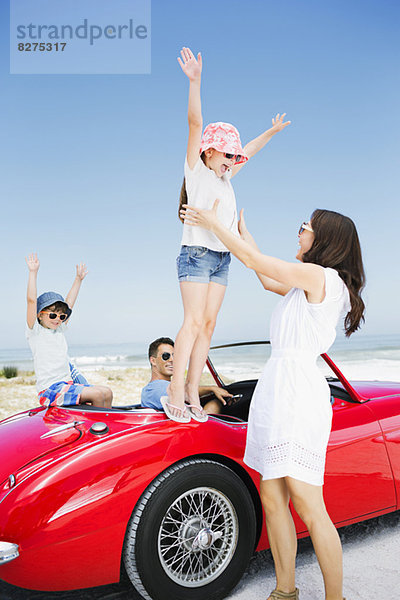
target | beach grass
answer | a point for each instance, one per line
(9, 371)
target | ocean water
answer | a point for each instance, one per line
(361, 357)
(87, 357)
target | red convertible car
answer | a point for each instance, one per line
(86, 494)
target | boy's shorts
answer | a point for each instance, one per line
(200, 264)
(62, 393)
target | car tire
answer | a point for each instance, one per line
(192, 533)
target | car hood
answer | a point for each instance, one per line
(28, 436)
(32, 435)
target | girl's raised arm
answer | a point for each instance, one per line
(31, 296)
(251, 148)
(192, 68)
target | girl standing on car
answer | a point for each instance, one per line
(290, 413)
(212, 159)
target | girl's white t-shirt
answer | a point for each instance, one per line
(50, 355)
(203, 187)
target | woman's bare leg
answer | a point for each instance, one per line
(194, 297)
(281, 531)
(215, 296)
(309, 504)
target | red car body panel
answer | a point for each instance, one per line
(386, 410)
(75, 491)
(93, 482)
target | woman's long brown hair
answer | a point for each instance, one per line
(183, 199)
(336, 245)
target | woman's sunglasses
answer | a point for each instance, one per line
(305, 226)
(237, 157)
(53, 315)
(166, 356)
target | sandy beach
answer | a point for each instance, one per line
(370, 565)
(19, 393)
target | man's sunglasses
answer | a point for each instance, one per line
(53, 315)
(237, 157)
(305, 226)
(166, 355)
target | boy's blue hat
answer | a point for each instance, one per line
(49, 298)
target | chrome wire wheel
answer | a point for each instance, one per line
(198, 537)
(191, 534)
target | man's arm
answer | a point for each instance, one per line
(259, 142)
(218, 392)
(31, 296)
(72, 295)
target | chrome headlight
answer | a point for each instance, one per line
(8, 552)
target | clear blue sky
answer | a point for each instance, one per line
(91, 165)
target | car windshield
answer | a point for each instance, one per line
(240, 361)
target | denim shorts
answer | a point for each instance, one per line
(197, 263)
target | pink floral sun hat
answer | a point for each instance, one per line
(224, 137)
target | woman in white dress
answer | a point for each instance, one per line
(290, 414)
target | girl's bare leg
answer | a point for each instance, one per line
(309, 504)
(215, 296)
(194, 297)
(281, 531)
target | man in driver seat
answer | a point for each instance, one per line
(161, 356)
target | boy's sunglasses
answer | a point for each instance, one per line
(53, 315)
(306, 226)
(237, 157)
(166, 356)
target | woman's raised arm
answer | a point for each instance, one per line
(306, 276)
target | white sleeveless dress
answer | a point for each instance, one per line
(290, 413)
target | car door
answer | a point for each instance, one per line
(358, 478)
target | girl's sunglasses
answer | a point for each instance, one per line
(237, 157)
(306, 226)
(166, 356)
(53, 315)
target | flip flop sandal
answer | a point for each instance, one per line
(184, 416)
(197, 413)
(278, 595)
